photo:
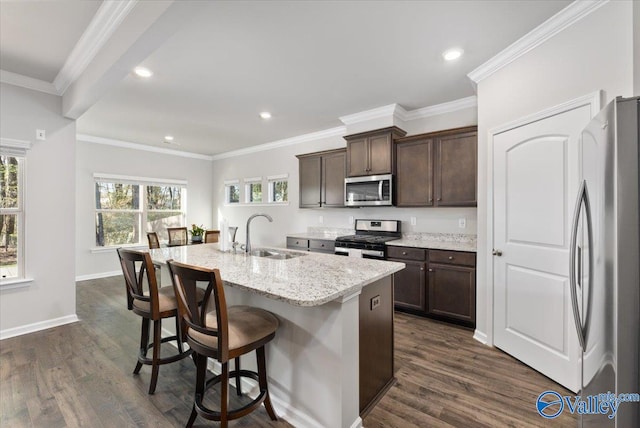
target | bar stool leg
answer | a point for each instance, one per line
(224, 386)
(262, 382)
(179, 334)
(155, 366)
(237, 366)
(144, 343)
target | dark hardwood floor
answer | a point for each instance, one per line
(79, 375)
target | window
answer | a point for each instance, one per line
(11, 217)
(278, 188)
(253, 189)
(232, 191)
(128, 207)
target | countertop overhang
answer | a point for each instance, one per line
(312, 279)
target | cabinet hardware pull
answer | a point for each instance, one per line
(430, 270)
(404, 253)
(422, 268)
(439, 199)
(450, 257)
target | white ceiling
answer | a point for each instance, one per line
(308, 63)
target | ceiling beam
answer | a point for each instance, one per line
(144, 29)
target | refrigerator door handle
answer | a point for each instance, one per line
(572, 264)
(587, 288)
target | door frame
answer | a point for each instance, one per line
(594, 100)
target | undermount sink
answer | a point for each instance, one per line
(274, 254)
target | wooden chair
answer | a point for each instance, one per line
(211, 236)
(177, 236)
(154, 242)
(223, 334)
(152, 304)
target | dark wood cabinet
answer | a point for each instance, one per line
(414, 173)
(371, 153)
(410, 284)
(443, 287)
(452, 285)
(313, 245)
(437, 169)
(321, 179)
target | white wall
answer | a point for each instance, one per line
(49, 209)
(92, 158)
(290, 218)
(593, 54)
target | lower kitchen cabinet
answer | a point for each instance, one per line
(452, 292)
(313, 245)
(448, 292)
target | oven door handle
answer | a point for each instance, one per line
(373, 253)
(341, 251)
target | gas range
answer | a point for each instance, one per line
(369, 240)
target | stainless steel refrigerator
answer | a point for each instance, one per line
(605, 257)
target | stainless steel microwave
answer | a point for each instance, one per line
(372, 190)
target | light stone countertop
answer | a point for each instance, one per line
(312, 279)
(313, 235)
(435, 245)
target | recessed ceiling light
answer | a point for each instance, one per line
(265, 115)
(168, 138)
(452, 54)
(143, 72)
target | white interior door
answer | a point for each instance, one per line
(535, 185)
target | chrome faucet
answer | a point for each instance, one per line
(247, 246)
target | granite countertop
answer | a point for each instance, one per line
(435, 244)
(312, 279)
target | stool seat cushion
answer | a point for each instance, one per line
(246, 325)
(166, 300)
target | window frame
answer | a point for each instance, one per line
(20, 214)
(227, 192)
(143, 206)
(248, 190)
(271, 180)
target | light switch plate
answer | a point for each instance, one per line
(320, 219)
(41, 134)
(462, 223)
(413, 221)
(351, 219)
(375, 302)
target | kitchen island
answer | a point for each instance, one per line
(332, 309)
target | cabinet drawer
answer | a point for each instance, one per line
(452, 257)
(301, 244)
(322, 245)
(406, 253)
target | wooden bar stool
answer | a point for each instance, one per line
(223, 334)
(211, 236)
(177, 236)
(152, 304)
(154, 242)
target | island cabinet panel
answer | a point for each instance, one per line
(321, 179)
(322, 246)
(297, 243)
(414, 173)
(437, 169)
(376, 343)
(456, 169)
(371, 153)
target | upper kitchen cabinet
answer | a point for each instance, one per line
(437, 169)
(322, 177)
(371, 153)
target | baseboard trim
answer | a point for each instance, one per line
(480, 337)
(37, 326)
(98, 275)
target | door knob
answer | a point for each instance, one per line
(497, 253)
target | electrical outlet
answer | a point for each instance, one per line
(462, 223)
(40, 134)
(351, 219)
(413, 221)
(375, 302)
(320, 219)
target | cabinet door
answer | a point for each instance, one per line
(456, 170)
(414, 174)
(333, 174)
(380, 154)
(310, 181)
(452, 292)
(409, 286)
(357, 157)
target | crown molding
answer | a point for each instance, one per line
(104, 23)
(27, 82)
(552, 26)
(331, 132)
(376, 113)
(448, 107)
(13, 147)
(136, 146)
